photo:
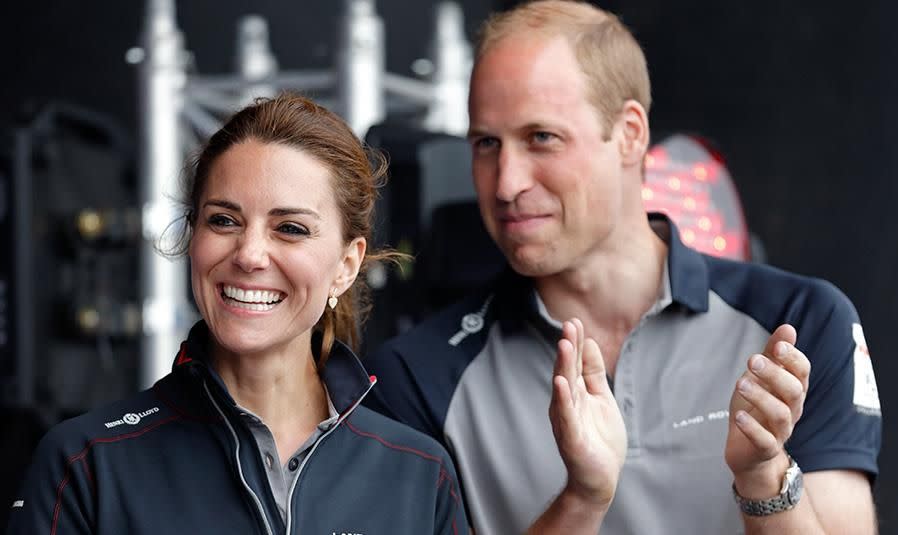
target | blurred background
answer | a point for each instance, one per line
(778, 119)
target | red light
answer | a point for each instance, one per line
(688, 181)
(656, 158)
(700, 172)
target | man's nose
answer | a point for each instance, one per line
(252, 251)
(514, 175)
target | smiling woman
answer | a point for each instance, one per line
(268, 249)
(259, 428)
(325, 154)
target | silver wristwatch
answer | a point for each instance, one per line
(790, 493)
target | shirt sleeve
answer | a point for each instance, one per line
(841, 424)
(56, 496)
(450, 517)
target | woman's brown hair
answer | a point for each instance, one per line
(356, 170)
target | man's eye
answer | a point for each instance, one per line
(220, 220)
(543, 137)
(485, 143)
(293, 229)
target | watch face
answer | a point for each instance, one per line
(793, 493)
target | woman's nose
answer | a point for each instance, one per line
(251, 253)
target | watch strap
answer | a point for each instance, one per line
(787, 498)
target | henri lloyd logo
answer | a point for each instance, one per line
(131, 418)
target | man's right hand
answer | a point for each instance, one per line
(586, 421)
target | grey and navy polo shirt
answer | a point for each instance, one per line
(478, 377)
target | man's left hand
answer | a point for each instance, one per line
(765, 406)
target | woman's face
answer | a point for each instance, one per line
(267, 248)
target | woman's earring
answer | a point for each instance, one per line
(332, 300)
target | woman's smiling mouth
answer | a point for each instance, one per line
(254, 300)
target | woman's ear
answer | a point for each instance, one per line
(353, 256)
(634, 125)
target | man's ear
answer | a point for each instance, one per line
(353, 256)
(634, 126)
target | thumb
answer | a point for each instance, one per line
(785, 333)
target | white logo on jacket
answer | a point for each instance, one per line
(131, 418)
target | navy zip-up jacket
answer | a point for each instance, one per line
(178, 459)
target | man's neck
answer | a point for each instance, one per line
(610, 291)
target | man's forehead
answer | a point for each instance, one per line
(527, 62)
(529, 69)
(527, 45)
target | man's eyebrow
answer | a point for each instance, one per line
(528, 127)
(538, 125)
(476, 132)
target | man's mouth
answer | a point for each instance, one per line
(522, 222)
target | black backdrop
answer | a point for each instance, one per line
(798, 97)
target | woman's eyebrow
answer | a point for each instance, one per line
(293, 211)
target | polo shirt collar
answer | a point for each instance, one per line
(687, 268)
(685, 282)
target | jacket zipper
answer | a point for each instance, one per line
(249, 489)
(315, 447)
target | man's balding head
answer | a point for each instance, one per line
(608, 54)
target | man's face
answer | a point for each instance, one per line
(549, 187)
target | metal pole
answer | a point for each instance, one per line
(165, 310)
(23, 256)
(360, 66)
(451, 53)
(255, 62)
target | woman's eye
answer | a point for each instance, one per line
(220, 220)
(293, 229)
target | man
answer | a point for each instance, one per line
(681, 399)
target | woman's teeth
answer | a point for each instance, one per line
(257, 300)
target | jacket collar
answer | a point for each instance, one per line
(344, 376)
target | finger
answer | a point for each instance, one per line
(594, 375)
(561, 397)
(565, 366)
(578, 325)
(794, 361)
(761, 438)
(779, 381)
(567, 333)
(770, 411)
(561, 410)
(785, 333)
